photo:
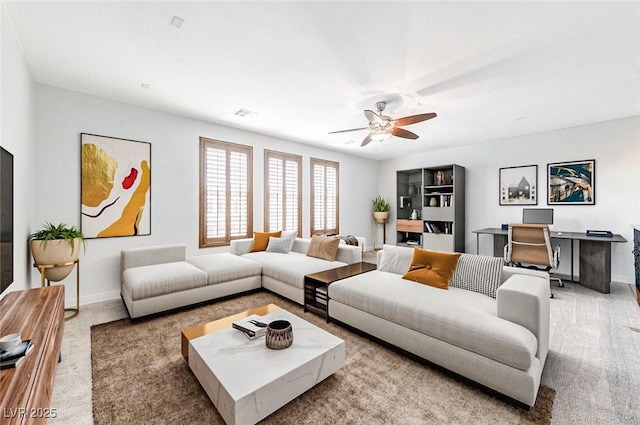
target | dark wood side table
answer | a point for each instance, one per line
(316, 286)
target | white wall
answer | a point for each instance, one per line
(17, 123)
(615, 145)
(61, 115)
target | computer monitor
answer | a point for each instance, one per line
(537, 215)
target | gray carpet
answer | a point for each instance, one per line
(140, 377)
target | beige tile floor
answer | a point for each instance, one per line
(593, 362)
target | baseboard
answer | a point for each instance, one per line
(95, 298)
(619, 278)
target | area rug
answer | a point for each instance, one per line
(140, 377)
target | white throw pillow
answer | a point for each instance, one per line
(291, 236)
(278, 245)
(478, 273)
(395, 259)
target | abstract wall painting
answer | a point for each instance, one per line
(571, 183)
(116, 187)
(519, 185)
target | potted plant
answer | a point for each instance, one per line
(380, 210)
(53, 245)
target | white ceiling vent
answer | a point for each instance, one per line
(177, 22)
(241, 112)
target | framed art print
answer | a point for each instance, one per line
(115, 186)
(571, 183)
(519, 185)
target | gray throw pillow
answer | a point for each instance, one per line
(478, 273)
(278, 245)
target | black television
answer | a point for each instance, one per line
(6, 219)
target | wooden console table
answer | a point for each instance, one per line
(38, 314)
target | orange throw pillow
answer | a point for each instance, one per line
(261, 240)
(432, 268)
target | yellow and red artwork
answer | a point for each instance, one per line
(116, 187)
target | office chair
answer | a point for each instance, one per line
(530, 244)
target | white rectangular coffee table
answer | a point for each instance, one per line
(247, 381)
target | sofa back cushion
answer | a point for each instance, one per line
(395, 259)
(478, 273)
(433, 268)
(323, 247)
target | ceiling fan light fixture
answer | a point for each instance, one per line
(380, 136)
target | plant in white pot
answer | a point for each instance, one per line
(54, 245)
(380, 210)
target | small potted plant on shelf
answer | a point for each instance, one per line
(53, 245)
(380, 210)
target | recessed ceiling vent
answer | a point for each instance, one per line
(241, 112)
(177, 22)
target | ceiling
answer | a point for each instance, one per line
(490, 70)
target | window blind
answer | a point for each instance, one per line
(282, 193)
(225, 206)
(324, 188)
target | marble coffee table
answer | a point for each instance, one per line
(247, 381)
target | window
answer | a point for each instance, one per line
(324, 196)
(282, 192)
(226, 199)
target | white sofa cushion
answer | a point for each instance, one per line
(395, 259)
(463, 318)
(478, 273)
(159, 279)
(292, 267)
(225, 267)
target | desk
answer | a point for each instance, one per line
(594, 255)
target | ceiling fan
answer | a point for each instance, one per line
(382, 126)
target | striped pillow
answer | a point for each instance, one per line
(478, 273)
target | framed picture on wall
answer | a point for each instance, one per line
(571, 183)
(115, 187)
(519, 185)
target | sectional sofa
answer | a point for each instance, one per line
(500, 343)
(160, 278)
(491, 326)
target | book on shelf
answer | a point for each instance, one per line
(250, 330)
(321, 296)
(13, 357)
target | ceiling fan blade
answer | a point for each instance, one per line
(366, 140)
(373, 117)
(352, 129)
(401, 132)
(412, 119)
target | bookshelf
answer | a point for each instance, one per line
(440, 200)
